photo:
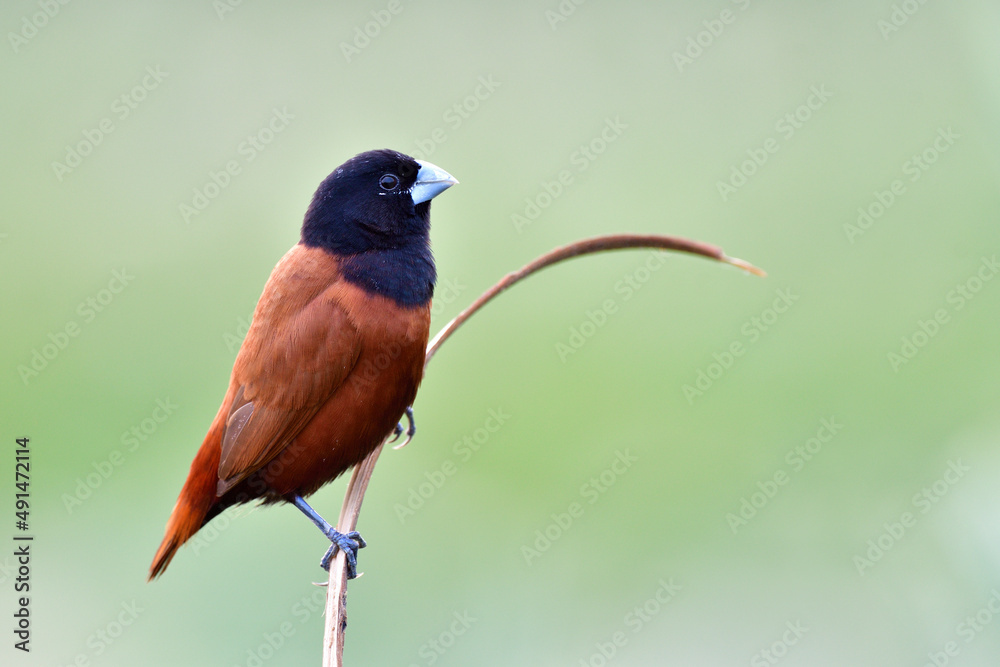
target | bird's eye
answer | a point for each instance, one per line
(388, 182)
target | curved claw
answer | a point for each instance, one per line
(349, 543)
(410, 432)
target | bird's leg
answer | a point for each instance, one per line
(410, 432)
(349, 543)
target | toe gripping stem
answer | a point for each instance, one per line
(349, 543)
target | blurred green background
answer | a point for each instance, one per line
(819, 502)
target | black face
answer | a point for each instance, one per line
(365, 204)
(364, 214)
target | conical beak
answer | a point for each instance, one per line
(431, 181)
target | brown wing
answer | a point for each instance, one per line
(300, 348)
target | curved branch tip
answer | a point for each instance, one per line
(336, 605)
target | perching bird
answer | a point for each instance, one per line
(334, 354)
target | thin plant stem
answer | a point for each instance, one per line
(336, 599)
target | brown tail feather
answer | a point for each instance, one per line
(195, 501)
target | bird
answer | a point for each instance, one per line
(333, 356)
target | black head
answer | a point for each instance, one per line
(373, 212)
(375, 200)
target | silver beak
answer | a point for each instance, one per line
(431, 181)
